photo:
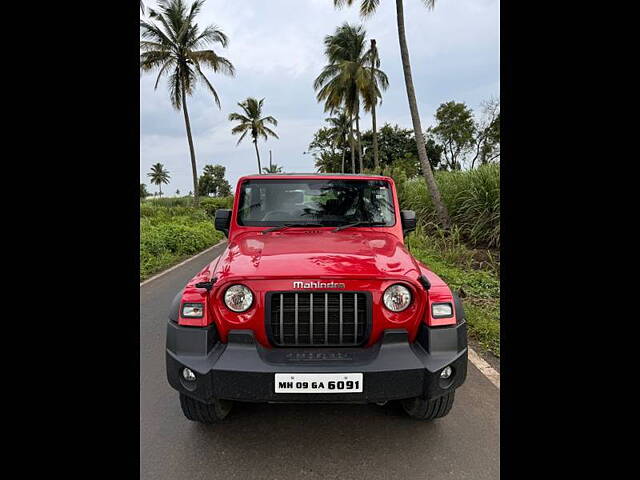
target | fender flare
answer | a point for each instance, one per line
(174, 310)
(460, 315)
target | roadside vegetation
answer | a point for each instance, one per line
(172, 229)
(467, 256)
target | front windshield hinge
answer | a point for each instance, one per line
(207, 285)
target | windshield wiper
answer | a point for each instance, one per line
(289, 225)
(360, 224)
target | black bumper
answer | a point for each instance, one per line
(244, 370)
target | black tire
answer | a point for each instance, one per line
(428, 409)
(207, 413)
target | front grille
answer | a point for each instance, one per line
(318, 318)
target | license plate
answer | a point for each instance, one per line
(318, 382)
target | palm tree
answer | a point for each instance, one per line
(253, 122)
(176, 47)
(367, 8)
(345, 80)
(272, 168)
(340, 130)
(375, 63)
(159, 176)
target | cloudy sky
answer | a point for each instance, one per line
(276, 47)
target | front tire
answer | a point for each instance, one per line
(424, 409)
(208, 413)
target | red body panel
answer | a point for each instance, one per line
(363, 258)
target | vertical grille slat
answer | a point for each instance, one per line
(294, 317)
(311, 319)
(281, 318)
(341, 310)
(355, 318)
(326, 318)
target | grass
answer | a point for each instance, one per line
(172, 231)
(472, 198)
(472, 273)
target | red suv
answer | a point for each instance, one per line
(316, 299)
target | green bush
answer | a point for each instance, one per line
(211, 204)
(168, 234)
(472, 198)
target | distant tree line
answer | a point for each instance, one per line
(456, 141)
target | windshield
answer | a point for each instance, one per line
(272, 202)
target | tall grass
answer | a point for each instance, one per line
(472, 198)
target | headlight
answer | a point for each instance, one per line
(238, 298)
(397, 298)
(441, 310)
(192, 310)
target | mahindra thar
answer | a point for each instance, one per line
(316, 299)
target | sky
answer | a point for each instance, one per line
(277, 47)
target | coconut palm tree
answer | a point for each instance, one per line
(375, 63)
(272, 168)
(367, 8)
(159, 176)
(174, 45)
(345, 80)
(253, 122)
(340, 132)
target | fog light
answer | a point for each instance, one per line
(446, 372)
(189, 376)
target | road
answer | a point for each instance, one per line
(266, 441)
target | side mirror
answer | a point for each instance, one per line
(222, 221)
(408, 218)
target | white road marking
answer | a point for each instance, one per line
(477, 360)
(181, 263)
(486, 369)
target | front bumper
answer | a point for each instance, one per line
(244, 370)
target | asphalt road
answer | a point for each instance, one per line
(267, 441)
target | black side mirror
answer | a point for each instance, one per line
(408, 218)
(222, 221)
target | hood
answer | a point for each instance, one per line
(316, 253)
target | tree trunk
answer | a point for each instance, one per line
(353, 149)
(373, 108)
(359, 142)
(344, 152)
(441, 209)
(255, 144)
(194, 170)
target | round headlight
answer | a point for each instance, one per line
(238, 298)
(397, 298)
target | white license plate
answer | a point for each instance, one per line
(318, 382)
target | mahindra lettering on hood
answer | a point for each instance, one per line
(316, 299)
(317, 285)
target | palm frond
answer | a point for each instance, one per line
(209, 58)
(430, 4)
(268, 131)
(368, 7)
(241, 137)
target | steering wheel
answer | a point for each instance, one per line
(274, 212)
